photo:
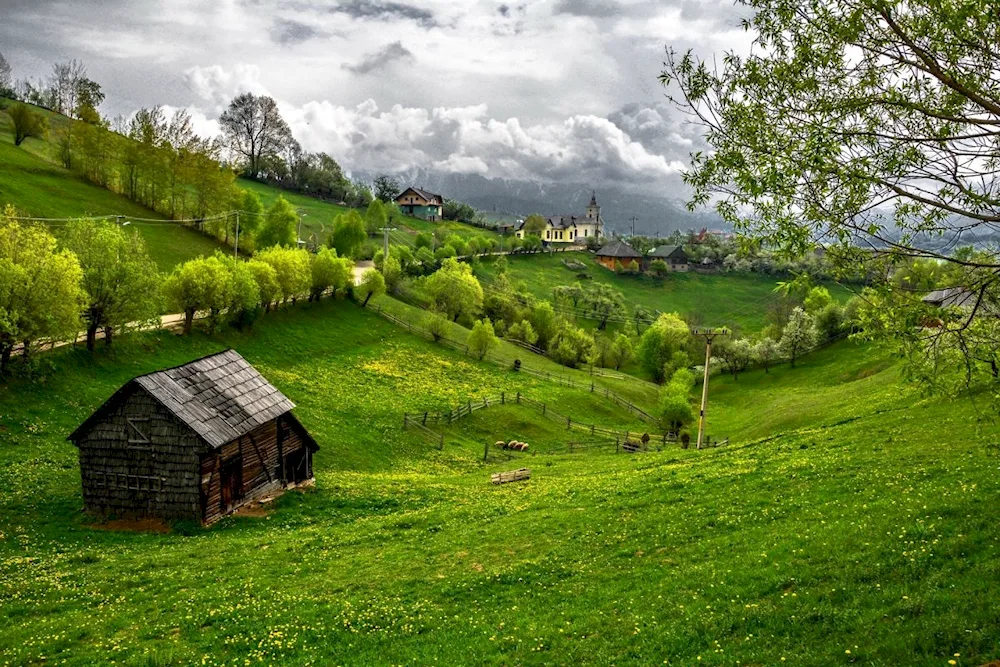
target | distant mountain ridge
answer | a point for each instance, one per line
(518, 198)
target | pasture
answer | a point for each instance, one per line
(42, 189)
(850, 526)
(736, 300)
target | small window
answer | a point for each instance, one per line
(137, 432)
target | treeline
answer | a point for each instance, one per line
(98, 276)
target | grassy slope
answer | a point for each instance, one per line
(719, 299)
(42, 189)
(853, 529)
(319, 214)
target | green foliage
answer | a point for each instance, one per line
(292, 268)
(799, 336)
(674, 409)
(348, 233)
(444, 252)
(375, 218)
(437, 325)
(244, 305)
(663, 345)
(40, 293)
(765, 352)
(658, 268)
(455, 241)
(251, 214)
(267, 282)
(454, 291)
(543, 319)
(386, 188)
(26, 123)
(279, 227)
(534, 225)
(571, 346)
(372, 284)
(817, 299)
(603, 302)
(120, 279)
(424, 240)
(482, 340)
(392, 271)
(456, 210)
(736, 354)
(426, 259)
(522, 331)
(199, 284)
(622, 351)
(329, 272)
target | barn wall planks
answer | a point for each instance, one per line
(141, 461)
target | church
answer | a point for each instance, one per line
(572, 228)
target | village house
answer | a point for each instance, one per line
(567, 229)
(193, 442)
(617, 252)
(674, 256)
(421, 204)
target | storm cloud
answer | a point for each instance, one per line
(379, 59)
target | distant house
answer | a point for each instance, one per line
(951, 297)
(617, 252)
(421, 204)
(192, 442)
(674, 256)
(561, 229)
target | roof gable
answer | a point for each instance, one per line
(219, 397)
(665, 251)
(429, 197)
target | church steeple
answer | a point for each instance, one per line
(593, 209)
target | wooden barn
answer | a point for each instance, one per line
(192, 442)
(617, 252)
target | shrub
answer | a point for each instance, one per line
(482, 339)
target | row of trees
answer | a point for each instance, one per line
(99, 276)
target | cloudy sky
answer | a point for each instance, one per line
(548, 90)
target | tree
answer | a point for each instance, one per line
(534, 225)
(603, 302)
(292, 268)
(569, 296)
(329, 272)
(482, 339)
(348, 234)
(267, 282)
(667, 337)
(424, 240)
(65, 85)
(6, 78)
(280, 225)
(735, 354)
(199, 284)
(571, 346)
(40, 294)
(658, 268)
(869, 124)
(622, 351)
(375, 218)
(675, 409)
(120, 278)
(244, 306)
(522, 331)
(372, 284)
(765, 351)
(799, 335)
(454, 290)
(437, 325)
(251, 213)
(26, 123)
(386, 188)
(543, 319)
(817, 299)
(255, 131)
(392, 271)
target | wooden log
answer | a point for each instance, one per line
(518, 475)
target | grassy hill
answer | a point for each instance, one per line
(849, 523)
(728, 299)
(318, 215)
(42, 189)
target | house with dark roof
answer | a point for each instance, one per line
(673, 255)
(951, 297)
(565, 229)
(193, 442)
(617, 252)
(421, 204)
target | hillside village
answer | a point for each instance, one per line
(254, 409)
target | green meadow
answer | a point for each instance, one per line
(850, 521)
(737, 300)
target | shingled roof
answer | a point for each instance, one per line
(220, 397)
(665, 251)
(430, 197)
(618, 249)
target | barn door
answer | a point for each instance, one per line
(231, 478)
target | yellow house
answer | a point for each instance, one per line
(572, 228)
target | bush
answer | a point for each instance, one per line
(482, 339)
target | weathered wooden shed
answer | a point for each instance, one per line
(192, 442)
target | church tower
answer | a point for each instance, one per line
(593, 209)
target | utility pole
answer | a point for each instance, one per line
(634, 219)
(385, 241)
(236, 244)
(709, 335)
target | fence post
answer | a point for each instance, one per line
(591, 386)
(543, 409)
(569, 422)
(616, 444)
(425, 419)
(503, 398)
(405, 423)
(486, 451)
(592, 427)
(518, 397)
(441, 442)
(470, 406)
